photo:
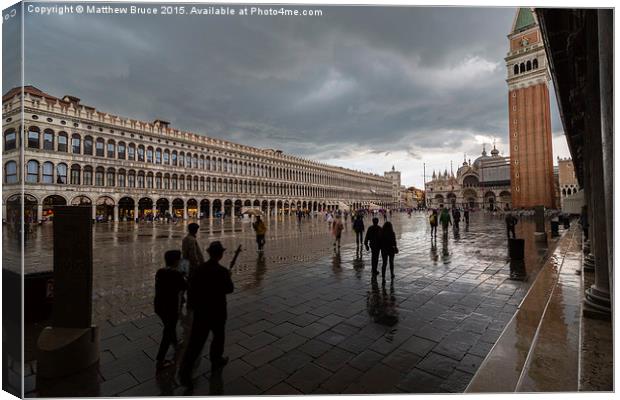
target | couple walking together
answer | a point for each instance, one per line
(381, 241)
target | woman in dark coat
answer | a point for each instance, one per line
(388, 248)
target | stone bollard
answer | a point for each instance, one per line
(555, 228)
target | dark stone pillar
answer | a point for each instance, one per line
(606, 68)
(598, 295)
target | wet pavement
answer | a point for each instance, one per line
(305, 319)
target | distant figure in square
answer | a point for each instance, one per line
(433, 220)
(466, 215)
(444, 219)
(511, 222)
(190, 247)
(337, 231)
(456, 217)
(208, 287)
(169, 283)
(358, 227)
(373, 237)
(260, 229)
(388, 249)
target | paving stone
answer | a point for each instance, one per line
(334, 359)
(366, 360)
(418, 346)
(257, 327)
(378, 379)
(418, 381)
(241, 387)
(282, 329)
(312, 330)
(457, 382)
(470, 363)
(266, 377)
(257, 341)
(308, 378)
(402, 361)
(314, 347)
(331, 337)
(339, 381)
(290, 342)
(262, 356)
(234, 370)
(292, 361)
(117, 384)
(283, 389)
(438, 365)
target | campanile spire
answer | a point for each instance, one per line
(531, 158)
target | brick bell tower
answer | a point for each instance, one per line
(531, 157)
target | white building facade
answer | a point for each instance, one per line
(71, 153)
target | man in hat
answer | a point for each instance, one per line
(208, 287)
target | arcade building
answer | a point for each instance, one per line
(71, 153)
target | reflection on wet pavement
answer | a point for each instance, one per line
(307, 319)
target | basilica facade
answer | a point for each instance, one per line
(483, 184)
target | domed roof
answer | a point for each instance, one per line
(484, 156)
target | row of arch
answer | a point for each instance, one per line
(525, 66)
(77, 144)
(471, 199)
(50, 173)
(129, 208)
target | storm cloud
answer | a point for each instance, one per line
(361, 87)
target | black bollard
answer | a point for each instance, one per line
(516, 249)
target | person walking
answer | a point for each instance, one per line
(358, 227)
(466, 215)
(456, 217)
(511, 222)
(337, 231)
(190, 248)
(169, 284)
(444, 219)
(208, 287)
(260, 229)
(373, 236)
(388, 249)
(433, 220)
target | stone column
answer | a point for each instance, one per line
(94, 214)
(154, 209)
(39, 212)
(135, 211)
(115, 213)
(185, 210)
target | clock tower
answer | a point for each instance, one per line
(531, 157)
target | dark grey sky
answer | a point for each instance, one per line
(362, 87)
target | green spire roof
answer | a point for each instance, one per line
(525, 18)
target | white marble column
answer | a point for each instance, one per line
(39, 212)
(115, 213)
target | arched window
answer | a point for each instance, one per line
(76, 143)
(131, 151)
(63, 142)
(48, 172)
(33, 137)
(158, 156)
(75, 174)
(181, 159)
(131, 178)
(195, 161)
(111, 149)
(522, 67)
(174, 158)
(32, 171)
(535, 63)
(121, 177)
(99, 172)
(111, 177)
(10, 171)
(167, 181)
(175, 182)
(141, 179)
(181, 182)
(100, 147)
(61, 173)
(149, 180)
(88, 175)
(516, 69)
(149, 154)
(88, 145)
(528, 66)
(188, 160)
(140, 153)
(121, 150)
(48, 139)
(158, 181)
(10, 139)
(167, 157)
